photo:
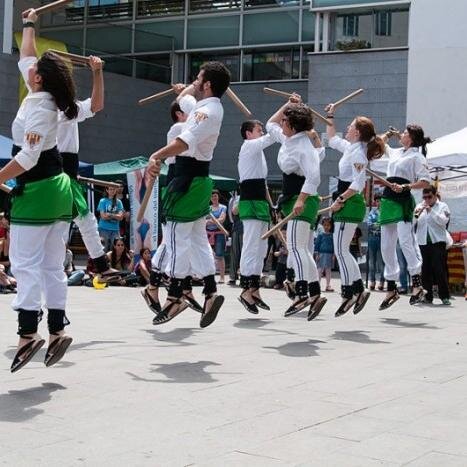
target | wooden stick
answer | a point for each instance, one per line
(219, 225)
(347, 98)
(51, 7)
(155, 97)
(324, 198)
(5, 188)
(236, 100)
(73, 58)
(94, 181)
(286, 219)
(288, 94)
(379, 178)
(147, 197)
(281, 237)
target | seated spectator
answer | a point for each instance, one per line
(7, 283)
(355, 246)
(143, 268)
(75, 277)
(121, 259)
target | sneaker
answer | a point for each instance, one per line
(446, 301)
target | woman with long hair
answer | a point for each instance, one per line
(121, 259)
(407, 170)
(299, 161)
(41, 202)
(359, 146)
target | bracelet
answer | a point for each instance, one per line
(341, 199)
(28, 24)
(406, 187)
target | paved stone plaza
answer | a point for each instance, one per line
(384, 388)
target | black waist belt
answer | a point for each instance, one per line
(341, 187)
(48, 165)
(186, 169)
(70, 164)
(398, 197)
(253, 189)
(170, 173)
(292, 184)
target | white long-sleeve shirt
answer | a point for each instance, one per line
(353, 162)
(35, 127)
(297, 155)
(433, 222)
(251, 159)
(409, 164)
(202, 128)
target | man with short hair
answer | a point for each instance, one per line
(432, 218)
(186, 201)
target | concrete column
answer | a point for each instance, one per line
(326, 21)
(317, 30)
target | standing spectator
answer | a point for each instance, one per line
(404, 272)
(432, 218)
(111, 213)
(237, 238)
(355, 245)
(324, 249)
(375, 258)
(143, 268)
(216, 237)
(122, 195)
(281, 267)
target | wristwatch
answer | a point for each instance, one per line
(341, 199)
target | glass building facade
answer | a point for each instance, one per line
(259, 40)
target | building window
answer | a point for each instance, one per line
(161, 7)
(277, 65)
(350, 25)
(154, 68)
(198, 6)
(231, 61)
(383, 20)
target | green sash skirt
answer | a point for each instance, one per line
(391, 211)
(44, 202)
(353, 211)
(309, 214)
(254, 209)
(191, 205)
(80, 205)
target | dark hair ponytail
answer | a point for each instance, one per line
(57, 80)
(417, 135)
(375, 144)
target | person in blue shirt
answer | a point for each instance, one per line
(324, 249)
(216, 237)
(375, 259)
(111, 213)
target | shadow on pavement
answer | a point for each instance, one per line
(360, 337)
(176, 336)
(19, 406)
(299, 349)
(181, 372)
(255, 323)
(406, 324)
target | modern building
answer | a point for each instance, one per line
(323, 49)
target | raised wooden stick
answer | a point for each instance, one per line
(219, 225)
(286, 219)
(379, 178)
(324, 198)
(51, 7)
(94, 181)
(288, 94)
(147, 197)
(155, 97)
(347, 98)
(73, 58)
(5, 188)
(237, 101)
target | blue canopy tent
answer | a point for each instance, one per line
(6, 144)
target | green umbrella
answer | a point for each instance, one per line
(111, 170)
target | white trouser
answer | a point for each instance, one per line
(87, 226)
(37, 254)
(298, 241)
(348, 266)
(189, 250)
(254, 249)
(403, 231)
(311, 244)
(161, 258)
